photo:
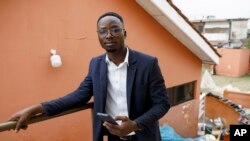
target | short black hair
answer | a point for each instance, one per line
(111, 14)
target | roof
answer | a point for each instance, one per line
(171, 18)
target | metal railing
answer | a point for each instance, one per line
(12, 124)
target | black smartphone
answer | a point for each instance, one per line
(106, 117)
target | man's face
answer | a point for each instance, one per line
(111, 33)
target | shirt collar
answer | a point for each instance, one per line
(125, 60)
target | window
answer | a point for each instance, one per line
(217, 30)
(181, 93)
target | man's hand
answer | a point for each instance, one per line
(127, 126)
(24, 115)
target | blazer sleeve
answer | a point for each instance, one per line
(75, 99)
(159, 99)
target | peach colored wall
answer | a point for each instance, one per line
(214, 108)
(29, 29)
(249, 65)
(183, 118)
(241, 98)
(234, 62)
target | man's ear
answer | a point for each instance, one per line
(125, 33)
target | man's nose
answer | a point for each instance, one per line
(109, 34)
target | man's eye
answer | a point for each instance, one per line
(116, 30)
(102, 31)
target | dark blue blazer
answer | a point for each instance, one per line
(146, 95)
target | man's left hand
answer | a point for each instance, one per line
(127, 126)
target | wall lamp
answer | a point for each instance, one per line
(55, 59)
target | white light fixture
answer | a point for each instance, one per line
(55, 59)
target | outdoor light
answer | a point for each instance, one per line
(55, 59)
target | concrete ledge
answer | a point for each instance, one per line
(216, 108)
(241, 98)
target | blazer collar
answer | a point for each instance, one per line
(131, 58)
(131, 72)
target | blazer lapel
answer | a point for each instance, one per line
(104, 81)
(131, 70)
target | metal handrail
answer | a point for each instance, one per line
(38, 118)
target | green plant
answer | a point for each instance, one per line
(248, 43)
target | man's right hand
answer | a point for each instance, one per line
(23, 116)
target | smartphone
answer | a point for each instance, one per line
(106, 117)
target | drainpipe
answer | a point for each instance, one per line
(230, 34)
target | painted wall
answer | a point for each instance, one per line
(217, 31)
(241, 98)
(233, 62)
(239, 29)
(220, 32)
(229, 114)
(29, 29)
(249, 66)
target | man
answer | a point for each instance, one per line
(126, 84)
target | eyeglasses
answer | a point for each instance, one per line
(113, 31)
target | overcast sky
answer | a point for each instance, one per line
(221, 9)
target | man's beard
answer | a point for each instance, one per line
(111, 50)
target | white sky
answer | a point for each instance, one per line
(221, 9)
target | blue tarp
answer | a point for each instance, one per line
(169, 134)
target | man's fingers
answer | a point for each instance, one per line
(113, 129)
(107, 125)
(13, 118)
(19, 125)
